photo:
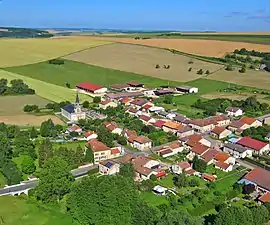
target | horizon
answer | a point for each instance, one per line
(196, 15)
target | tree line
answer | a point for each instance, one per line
(12, 32)
(16, 86)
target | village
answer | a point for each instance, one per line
(195, 147)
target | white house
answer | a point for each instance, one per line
(180, 167)
(257, 147)
(90, 135)
(107, 103)
(108, 167)
(170, 149)
(234, 111)
(237, 151)
(141, 143)
(225, 167)
(113, 127)
(220, 132)
(73, 112)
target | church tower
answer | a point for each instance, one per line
(77, 107)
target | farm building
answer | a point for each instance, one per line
(88, 88)
(256, 146)
(135, 84)
(73, 112)
(187, 89)
(164, 92)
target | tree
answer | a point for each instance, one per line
(157, 66)
(127, 170)
(153, 177)
(45, 152)
(190, 69)
(199, 165)
(11, 172)
(112, 200)
(190, 61)
(260, 215)
(207, 72)
(30, 108)
(47, 129)
(12, 131)
(180, 180)
(68, 85)
(56, 61)
(194, 182)
(28, 165)
(180, 217)
(105, 136)
(55, 180)
(33, 133)
(89, 155)
(168, 99)
(121, 140)
(252, 67)
(200, 72)
(234, 215)
(23, 145)
(229, 67)
(242, 70)
(144, 214)
(96, 99)
(86, 104)
(248, 189)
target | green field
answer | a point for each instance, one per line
(46, 90)
(16, 211)
(75, 73)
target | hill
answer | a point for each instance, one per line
(12, 32)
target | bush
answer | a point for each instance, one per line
(157, 66)
(96, 99)
(229, 68)
(252, 67)
(56, 61)
(242, 70)
(153, 177)
(200, 72)
(194, 182)
(30, 108)
(207, 72)
(190, 69)
(190, 61)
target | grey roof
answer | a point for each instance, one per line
(232, 109)
(180, 118)
(235, 147)
(69, 108)
(268, 135)
(163, 113)
(187, 88)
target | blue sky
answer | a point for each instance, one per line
(191, 15)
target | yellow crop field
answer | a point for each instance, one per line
(16, 52)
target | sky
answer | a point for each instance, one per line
(182, 15)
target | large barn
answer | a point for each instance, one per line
(89, 88)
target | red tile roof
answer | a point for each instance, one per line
(222, 165)
(159, 123)
(115, 151)
(147, 106)
(193, 140)
(209, 155)
(97, 146)
(260, 177)
(75, 127)
(89, 133)
(208, 177)
(265, 198)
(172, 125)
(199, 149)
(184, 165)
(252, 143)
(89, 86)
(222, 156)
(218, 130)
(237, 124)
(130, 133)
(139, 102)
(125, 100)
(105, 102)
(191, 172)
(145, 118)
(166, 151)
(142, 139)
(161, 174)
(247, 120)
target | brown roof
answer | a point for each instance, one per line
(125, 100)
(209, 155)
(202, 122)
(208, 177)
(184, 129)
(126, 158)
(139, 163)
(260, 177)
(133, 110)
(134, 83)
(145, 118)
(97, 146)
(237, 124)
(199, 149)
(247, 120)
(232, 109)
(191, 171)
(142, 139)
(165, 151)
(130, 133)
(175, 144)
(218, 130)
(105, 102)
(139, 102)
(222, 156)
(193, 140)
(172, 125)
(184, 165)
(89, 133)
(222, 165)
(119, 86)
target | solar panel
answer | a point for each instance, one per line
(109, 164)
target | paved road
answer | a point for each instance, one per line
(246, 164)
(79, 172)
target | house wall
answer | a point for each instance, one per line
(93, 136)
(267, 120)
(65, 114)
(223, 123)
(109, 171)
(224, 134)
(142, 147)
(239, 112)
(193, 90)
(117, 131)
(178, 170)
(101, 91)
(229, 169)
(185, 134)
(257, 123)
(204, 128)
(205, 142)
(102, 155)
(152, 164)
(264, 149)
(167, 130)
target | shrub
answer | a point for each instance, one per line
(242, 70)
(190, 61)
(207, 72)
(200, 72)
(153, 177)
(190, 69)
(56, 61)
(229, 68)
(157, 66)
(30, 108)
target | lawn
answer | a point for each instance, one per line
(167, 181)
(76, 72)
(153, 199)
(70, 145)
(16, 211)
(46, 90)
(15, 52)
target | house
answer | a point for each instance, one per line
(132, 111)
(238, 127)
(135, 84)
(219, 120)
(193, 140)
(147, 119)
(73, 112)
(171, 115)
(88, 88)
(256, 146)
(146, 108)
(259, 177)
(209, 156)
(237, 151)
(129, 133)
(155, 109)
(234, 111)
(108, 167)
(159, 190)
(197, 150)
(159, 124)
(121, 87)
(141, 143)
(224, 157)
(163, 114)
(220, 132)
(90, 135)
(138, 103)
(202, 125)
(170, 126)
(74, 128)
(101, 151)
(187, 89)
(184, 131)
(208, 177)
(164, 92)
(125, 101)
(113, 127)
(251, 122)
(225, 167)
(144, 167)
(179, 118)
(180, 167)
(107, 103)
(170, 149)
(117, 96)
(267, 120)
(150, 93)
(265, 198)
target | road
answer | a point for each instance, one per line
(77, 173)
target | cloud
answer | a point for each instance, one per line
(236, 14)
(260, 15)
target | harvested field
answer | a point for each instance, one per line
(46, 90)
(142, 60)
(16, 52)
(28, 120)
(193, 46)
(234, 96)
(251, 78)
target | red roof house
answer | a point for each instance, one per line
(265, 198)
(159, 123)
(88, 87)
(253, 144)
